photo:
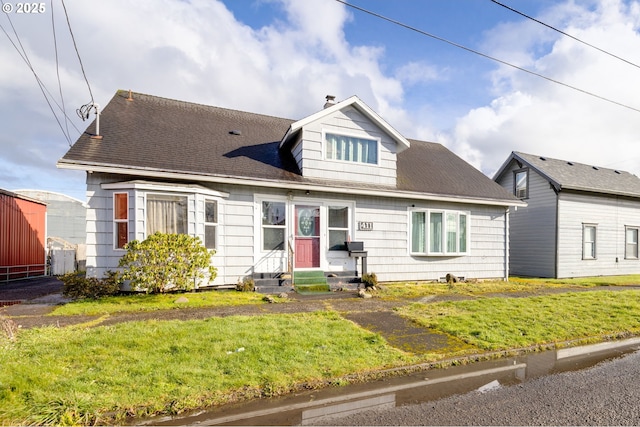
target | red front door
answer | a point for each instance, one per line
(307, 248)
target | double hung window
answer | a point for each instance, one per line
(120, 219)
(631, 243)
(589, 241)
(338, 227)
(439, 232)
(210, 223)
(274, 225)
(521, 184)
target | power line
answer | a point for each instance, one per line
(55, 47)
(49, 98)
(565, 34)
(76, 48)
(25, 57)
(424, 33)
(38, 80)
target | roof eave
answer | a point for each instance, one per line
(516, 157)
(269, 183)
(403, 143)
(601, 191)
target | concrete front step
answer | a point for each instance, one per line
(274, 283)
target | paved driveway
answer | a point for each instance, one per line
(24, 290)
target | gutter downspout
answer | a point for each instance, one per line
(557, 257)
(506, 245)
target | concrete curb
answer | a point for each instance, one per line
(595, 348)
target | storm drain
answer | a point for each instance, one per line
(8, 303)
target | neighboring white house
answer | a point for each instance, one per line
(580, 220)
(272, 194)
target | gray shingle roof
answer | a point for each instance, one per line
(152, 133)
(577, 176)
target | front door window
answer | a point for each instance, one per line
(307, 236)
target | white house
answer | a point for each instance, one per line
(580, 220)
(272, 195)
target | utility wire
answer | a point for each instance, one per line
(76, 48)
(565, 34)
(25, 57)
(55, 47)
(424, 33)
(38, 80)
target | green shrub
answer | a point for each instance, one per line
(167, 262)
(78, 286)
(246, 285)
(370, 280)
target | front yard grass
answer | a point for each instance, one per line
(507, 323)
(105, 374)
(53, 376)
(415, 290)
(144, 302)
(391, 291)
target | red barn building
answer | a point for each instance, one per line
(23, 233)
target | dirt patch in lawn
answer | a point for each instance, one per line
(404, 334)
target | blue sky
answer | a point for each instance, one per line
(281, 57)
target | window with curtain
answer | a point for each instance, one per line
(418, 232)
(166, 214)
(435, 232)
(631, 243)
(121, 219)
(338, 227)
(439, 232)
(274, 224)
(351, 149)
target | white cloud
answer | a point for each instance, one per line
(418, 72)
(198, 51)
(536, 116)
(195, 51)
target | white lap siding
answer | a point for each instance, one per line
(388, 242)
(101, 252)
(310, 156)
(239, 230)
(610, 215)
(240, 237)
(101, 255)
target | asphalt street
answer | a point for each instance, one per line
(606, 394)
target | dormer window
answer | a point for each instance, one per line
(521, 184)
(351, 149)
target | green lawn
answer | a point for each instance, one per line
(100, 375)
(104, 374)
(505, 323)
(408, 290)
(144, 302)
(392, 291)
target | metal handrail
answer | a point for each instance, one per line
(31, 270)
(290, 260)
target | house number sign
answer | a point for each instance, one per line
(365, 226)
